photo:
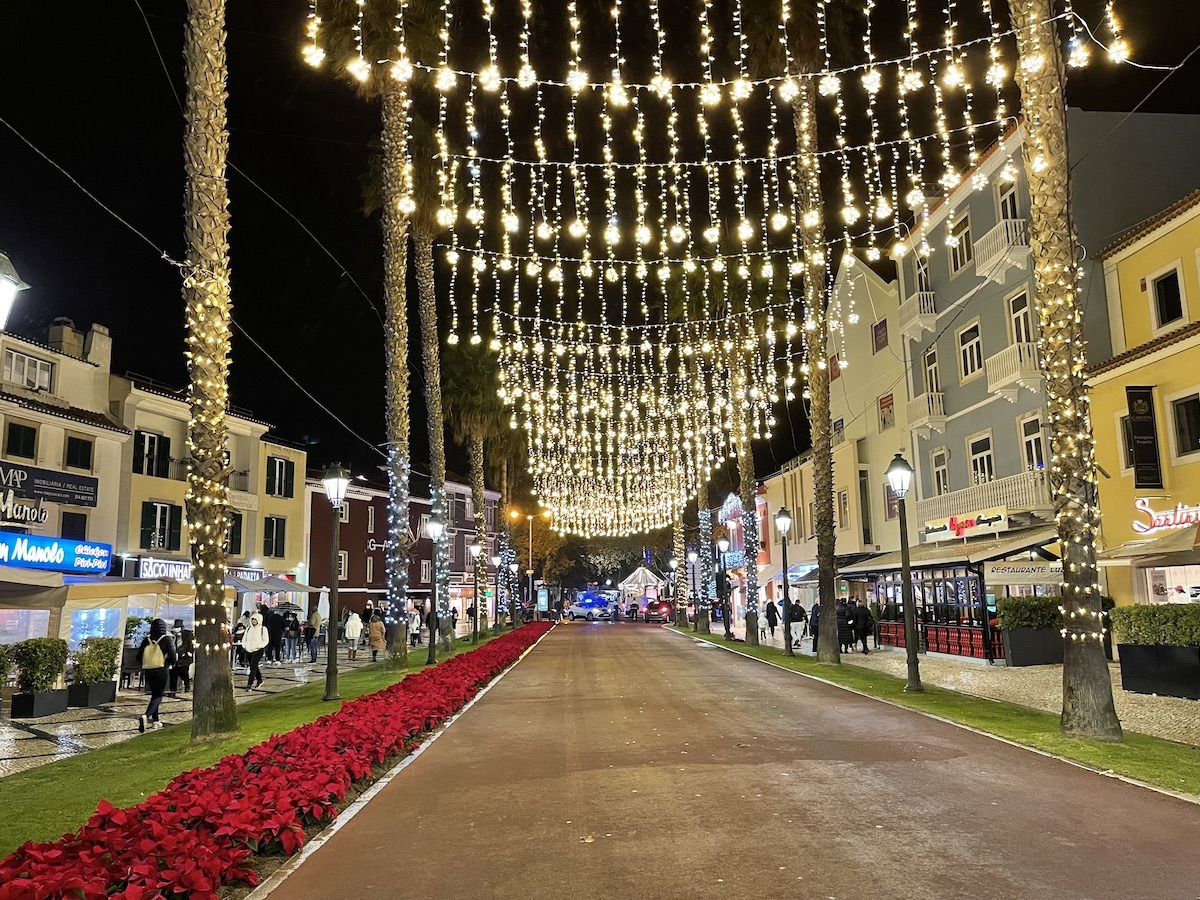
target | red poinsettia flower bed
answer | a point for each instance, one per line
(199, 831)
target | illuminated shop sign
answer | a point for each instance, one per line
(181, 570)
(985, 521)
(30, 551)
(1158, 521)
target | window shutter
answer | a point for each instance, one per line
(268, 536)
(147, 526)
(163, 463)
(271, 476)
(280, 537)
(289, 478)
(139, 455)
(235, 535)
(175, 538)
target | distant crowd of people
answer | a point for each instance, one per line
(855, 624)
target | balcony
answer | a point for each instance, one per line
(1004, 246)
(1018, 493)
(918, 315)
(927, 413)
(239, 481)
(1013, 368)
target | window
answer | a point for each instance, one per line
(864, 504)
(891, 503)
(162, 526)
(426, 571)
(1033, 448)
(812, 519)
(887, 412)
(839, 430)
(370, 520)
(370, 569)
(1126, 442)
(235, 534)
(924, 282)
(933, 377)
(835, 368)
(961, 249)
(879, 336)
(939, 464)
(1006, 201)
(1021, 318)
(983, 464)
(28, 371)
(1168, 300)
(344, 512)
(281, 477)
(74, 526)
(970, 351)
(843, 507)
(275, 536)
(21, 441)
(151, 454)
(1187, 425)
(343, 564)
(451, 549)
(79, 453)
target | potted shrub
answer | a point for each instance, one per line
(5, 667)
(1159, 648)
(132, 624)
(95, 672)
(1032, 630)
(40, 662)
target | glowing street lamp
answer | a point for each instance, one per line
(475, 549)
(723, 585)
(336, 480)
(899, 476)
(783, 524)
(693, 557)
(496, 560)
(435, 528)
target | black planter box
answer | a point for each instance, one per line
(1165, 670)
(91, 694)
(34, 706)
(1033, 646)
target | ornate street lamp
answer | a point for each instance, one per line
(435, 528)
(496, 560)
(475, 549)
(723, 586)
(336, 480)
(673, 564)
(899, 476)
(10, 285)
(693, 557)
(783, 524)
(512, 596)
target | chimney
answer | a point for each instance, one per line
(97, 347)
(64, 338)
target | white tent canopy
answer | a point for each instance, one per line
(640, 579)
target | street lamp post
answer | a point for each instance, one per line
(336, 479)
(723, 586)
(475, 550)
(694, 558)
(10, 285)
(899, 476)
(512, 596)
(435, 528)
(496, 560)
(783, 524)
(673, 564)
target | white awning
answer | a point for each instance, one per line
(945, 553)
(1177, 548)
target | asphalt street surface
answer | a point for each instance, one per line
(625, 761)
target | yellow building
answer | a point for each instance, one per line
(1146, 410)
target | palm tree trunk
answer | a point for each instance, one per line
(749, 492)
(1088, 709)
(816, 298)
(475, 451)
(430, 356)
(704, 517)
(395, 271)
(207, 299)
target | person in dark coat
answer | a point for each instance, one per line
(845, 627)
(184, 654)
(275, 627)
(863, 624)
(772, 614)
(814, 624)
(155, 667)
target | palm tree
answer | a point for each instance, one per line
(469, 382)
(207, 298)
(1087, 709)
(748, 492)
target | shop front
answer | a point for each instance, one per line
(1163, 568)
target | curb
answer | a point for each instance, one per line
(1106, 773)
(280, 875)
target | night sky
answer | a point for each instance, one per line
(84, 84)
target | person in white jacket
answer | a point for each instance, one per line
(254, 641)
(354, 628)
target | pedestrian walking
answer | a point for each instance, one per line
(772, 615)
(800, 618)
(291, 637)
(354, 630)
(308, 634)
(377, 636)
(414, 626)
(864, 625)
(845, 626)
(156, 656)
(275, 628)
(238, 630)
(255, 641)
(184, 655)
(814, 624)
(368, 614)
(453, 620)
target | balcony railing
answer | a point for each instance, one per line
(918, 314)
(1005, 245)
(1013, 368)
(1019, 493)
(239, 481)
(928, 411)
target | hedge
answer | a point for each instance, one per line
(39, 662)
(1169, 624)
(1029, 612)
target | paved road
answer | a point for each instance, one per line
(629, 762)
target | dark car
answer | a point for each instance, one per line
(659, 611)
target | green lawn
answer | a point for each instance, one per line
(1150, 759)
(43, 803)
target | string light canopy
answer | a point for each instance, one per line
(625, 219)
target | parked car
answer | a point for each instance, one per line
(659, 611)
(589, 608)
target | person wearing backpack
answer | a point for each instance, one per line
(254, 642)
(184, 655)
(156, 656)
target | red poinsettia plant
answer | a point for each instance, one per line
(198, 832)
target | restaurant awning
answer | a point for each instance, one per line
(1178, 548)
(957, 554)
(31, 589)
